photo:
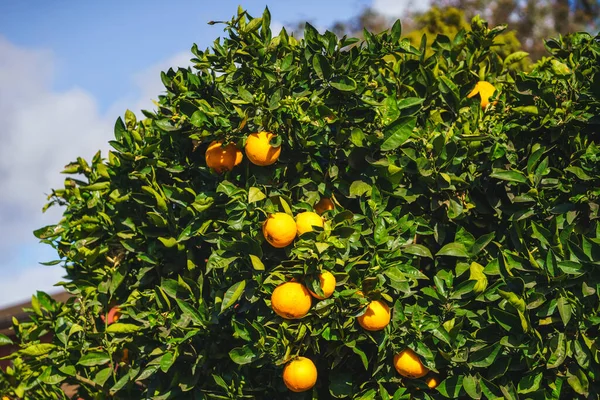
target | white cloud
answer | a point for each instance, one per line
(41, 130)
(149, 86)
(20, 287)
(397, 8)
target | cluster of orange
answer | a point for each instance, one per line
(292, 300)
(258, 150)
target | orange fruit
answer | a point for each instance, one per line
(221, 158)
(291, 300)
(259, 150)
(323, 205)
(300, 374)
(239, 156)
(306, 220)
(432, 382)
(408, 364)
(485, 91)
(327, 281)
(377, 316)
(125, 356)
(112, 316)
(279, 229)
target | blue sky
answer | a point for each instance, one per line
(69, 68)
(100, 44)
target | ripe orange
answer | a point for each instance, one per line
(408, 364)
(125, 356)
(432, 382)
(485, 91)
(112, 316)
(323, 205)
(327, 281)
(221, 158)
(377, 316)
(291, 300)
(279, 229)
(306, 220)
(300, 374)
(239, 156)
(259, 150)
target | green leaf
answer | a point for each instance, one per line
(578, 172)
(358, 188)
(530, 383)
(343, 83)
(471, 386)
(189, 311)
(515, 58)
(564, 309)
(484, 357)
(417, 250)
(166, 361)
(52, 376)
(103, 375)
(253, 25)
(122, 328)
(453, 249)
(451, 387)
(533, 110)
(119, 129)
(321, 66)
(513, 299)
(243, 355)
(160, 200)
(94, 358)
(409, 102)
(255, 194)
(4, 340)
(168, 242)
(233, 294)
(579, 382)
(257, 264)
(510, 176)
(340, 383)
(96, 186)
(397, 133)
(558, 348)
(35, 350)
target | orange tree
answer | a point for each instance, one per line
(463, 241)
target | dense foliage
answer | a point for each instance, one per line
(479, 227)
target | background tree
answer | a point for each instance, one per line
(529, 22)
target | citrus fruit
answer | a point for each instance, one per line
(327, 281)
(431, 382)
(125, 356)
(221, 158)
(279, 229)
(377, 316)
(306, 220)
(239, 156)
(485, 91)
(323, 205)
(112, 316)
(259, 150)
(408, 364)
(300, 374)
(291, 300)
